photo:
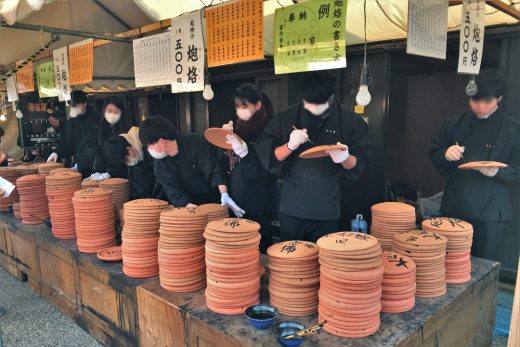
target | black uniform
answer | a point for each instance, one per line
(310, 193)
(193, 175)
(105, 133)
(483, 201)
(79, 138)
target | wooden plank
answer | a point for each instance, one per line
(3, 242)
(506, 8)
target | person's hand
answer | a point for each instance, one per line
(190, 205)
(297, 138)
(2, 192)
(239, 147)
(454, 153)
(53, 158)
(338, 155)
(94, 176)
(229, 203)
(228, 126)
(75, 167)
(488, 171)
(101, 177)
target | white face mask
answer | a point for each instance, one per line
(74, 112)
(316, 109)
(244, 114)
(155, 154)
(112, 118)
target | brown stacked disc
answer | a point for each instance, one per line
(398, 283)
(33, 201)
(122, 217)
(294, 277)
(214, 211)
(458, 250)
(61, 169)
(16, 210)
(120, 188)
(181, 249)
(45, 169)
(11, 175)
(140, 236)
(428, 251)
(88, 183)
(24, 170)
(232, 265)
(94, 219)
(61, 187)
(351, 274)
(390, 218)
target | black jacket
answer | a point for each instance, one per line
(142, 179)
(105, 133)
(470, 195)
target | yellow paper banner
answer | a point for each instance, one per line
(81, 62)
(45, 77)
(25, 78)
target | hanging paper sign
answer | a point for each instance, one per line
(45, 78)
(310, 36)
(235, 32)
(25, 78)
(12, 92)
(152, 60)
(81, 62)
(61, 73)
(472, 24)
(187, 53)
(427, 28)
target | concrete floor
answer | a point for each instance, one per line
(30, 321)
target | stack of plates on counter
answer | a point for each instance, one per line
(350, 283)
(428, 251)
(140, 236)
(61, 169)
(31, 169)
(294, 277)
(398, 283)
(214, 211)
(61, 187)
(120, 188)
(181, 249)
(458, 250)
(11, 175)
(232, 265)
(390, 218)
(88, 183)
(122, 217)
(33, 201)
(45, 169)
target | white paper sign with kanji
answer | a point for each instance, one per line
(427, 28)
(472, 24)
(187, 53)
(152, 60)
(12, 92)
(60, 60)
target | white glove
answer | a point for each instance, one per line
(75, 167)
(229, 203)
(228, 126)
(94, 176)
(488, 171)
(190, 205)
(298, 137)
(239, 147)
(101, 177)
(454, 153)
(338, 155)
(53, 158)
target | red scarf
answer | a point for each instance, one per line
(246, 129)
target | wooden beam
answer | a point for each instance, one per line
(507, 9)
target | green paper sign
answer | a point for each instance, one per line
(45, 77)
(310, 36)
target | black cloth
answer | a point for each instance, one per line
(266, 230)
(311, 187)
(294, 228)
(191, 176)
(105, 133)
(486, 239)
(469, 195)
(79, 139)
(142, 179)
(113, 156)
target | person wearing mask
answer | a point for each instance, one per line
(310, 191)
(249, 182)
(79, 135)
(112, 124)
(4, 156)
(482, 196)
(185, 166)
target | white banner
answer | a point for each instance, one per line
(427, 28)
(472, 24)
(187, 53)
(12, 92)
(152, 60)
(61, 73)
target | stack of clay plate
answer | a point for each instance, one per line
(30, 169)
(45, 169)
(16, 210)
(398, 283)
(181, 249)
(351, 274)
(428, 251)
(10, 175)
(120, 188)
(294, 277)
(140, 236)
(458, 251)
(94, 219)
(33, 201)
(390, 218)
(87, 183)
(214, 211)
(61, 169)
(232, 265)
(122, 217)
(61, 187)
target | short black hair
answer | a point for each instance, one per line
(249, 92)
(115, 150)
(490, 84)
(1, 132)
(318, 86)
(156, 128)
(78, 97)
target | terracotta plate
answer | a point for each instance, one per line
(481, 164)
(319, 151)
(110, 254)
(217, 137)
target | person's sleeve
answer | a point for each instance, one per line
(511, 173)
(270, 139)
(360, 146)
(209, 164)
(171, 185)
(252, 168)
(440, 143)
(142, 180)
(65, 148)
